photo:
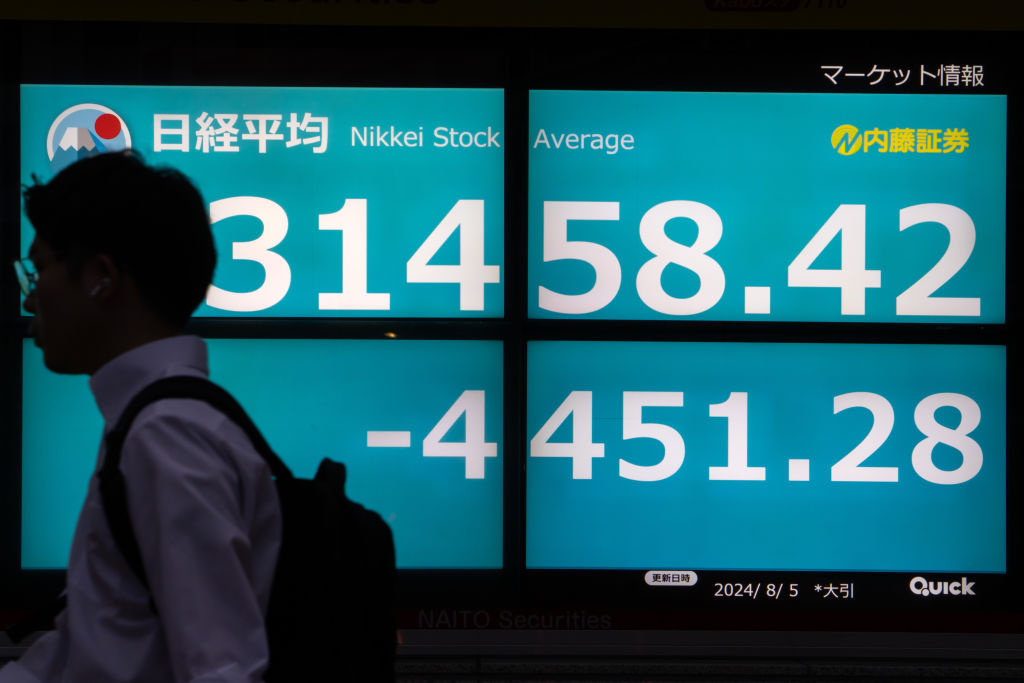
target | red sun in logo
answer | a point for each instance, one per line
(107, 126)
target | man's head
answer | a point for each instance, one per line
(124, 254)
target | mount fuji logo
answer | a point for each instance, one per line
(83, 130)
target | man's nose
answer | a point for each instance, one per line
(30, 302)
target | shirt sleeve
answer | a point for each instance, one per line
(16, 673)
(184, 497)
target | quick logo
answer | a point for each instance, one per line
(921, 586)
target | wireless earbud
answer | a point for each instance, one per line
(99, 286)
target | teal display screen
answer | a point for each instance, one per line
(767, 206)
(767, 456)
(756, 448)
(325, 202)
(417, 423)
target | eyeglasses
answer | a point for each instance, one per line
(27, 275)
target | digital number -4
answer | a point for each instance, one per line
(474, 449)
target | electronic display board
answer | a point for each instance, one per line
(413, 180)
(767, 206)
(325, 202)
(751, 461)
(737, 322)
(754, 456)
(417, 423)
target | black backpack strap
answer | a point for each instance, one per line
(111, 480)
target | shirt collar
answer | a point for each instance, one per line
(114, 384)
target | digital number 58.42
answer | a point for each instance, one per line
(852, 278)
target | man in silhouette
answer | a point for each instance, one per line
(121, 257)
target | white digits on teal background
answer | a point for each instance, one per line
(734, 409)
(970, 418)
(471, 274)
(351, 220)
(607, 272)
(850, 468)
(582, 450)
(277, 274)
(917, 300)
(633, 427)
(475, 448)
(694, 258)
(852, 278)
(883, 419)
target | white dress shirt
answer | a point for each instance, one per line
(206, 515)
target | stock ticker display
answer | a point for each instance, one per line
(835, 208)
(767, 206)
(661, 457)
(324, 202)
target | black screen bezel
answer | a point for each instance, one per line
(516, 60)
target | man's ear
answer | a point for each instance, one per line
(101, 277)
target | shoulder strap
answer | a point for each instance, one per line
(201, 389)
(111, 481)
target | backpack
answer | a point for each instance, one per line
(331, 613)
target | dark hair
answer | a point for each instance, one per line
(151, 221)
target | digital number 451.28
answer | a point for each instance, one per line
(582, 450)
